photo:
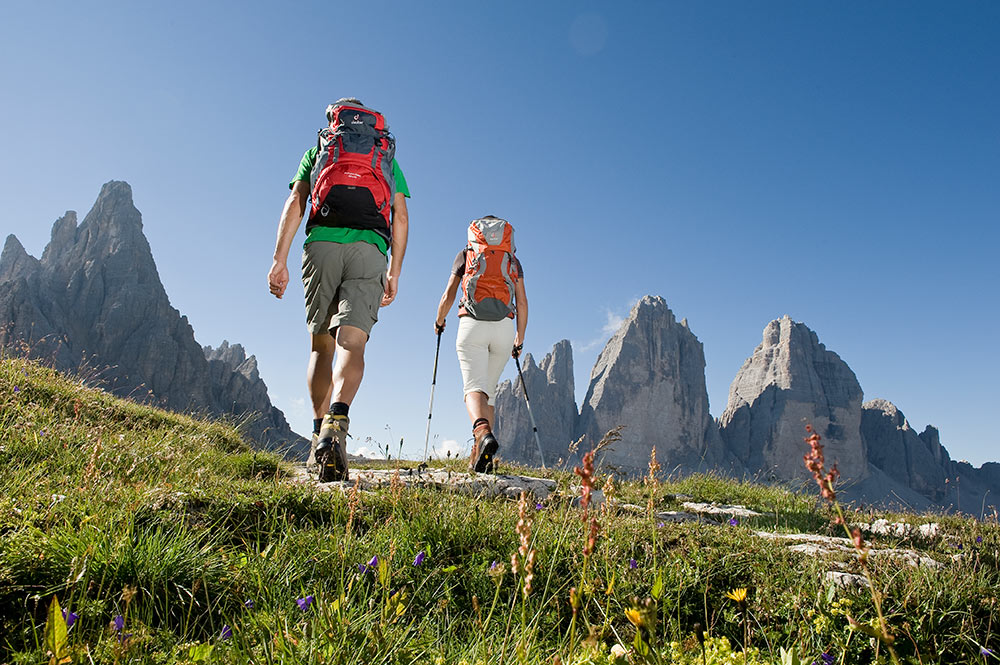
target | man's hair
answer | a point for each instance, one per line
(340, 102)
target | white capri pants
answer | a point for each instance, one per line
(483, 349)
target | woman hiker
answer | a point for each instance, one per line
(493, 315)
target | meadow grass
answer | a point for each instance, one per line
(167, 540)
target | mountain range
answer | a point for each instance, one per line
(650, 378)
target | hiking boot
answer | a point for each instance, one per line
(484, 451)
(331, 448)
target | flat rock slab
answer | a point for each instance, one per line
(815, 545)
(482, 485)
(665, 516)
(900, 529)
(720, 509)
(677, 516)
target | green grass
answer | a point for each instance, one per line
(172, 523)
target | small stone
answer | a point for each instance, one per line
(845, 580)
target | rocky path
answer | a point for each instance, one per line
(474, 484)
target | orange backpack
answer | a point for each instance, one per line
(490, 270)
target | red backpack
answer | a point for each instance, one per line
(352, 183)
(490, 270)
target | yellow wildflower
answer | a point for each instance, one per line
(739, 595)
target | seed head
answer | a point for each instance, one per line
(586, 474)
(816, 464)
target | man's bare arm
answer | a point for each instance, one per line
(400, 232)
(288, 225)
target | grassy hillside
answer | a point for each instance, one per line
(167, 540)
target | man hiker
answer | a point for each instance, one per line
(356, 196)
(493, 304)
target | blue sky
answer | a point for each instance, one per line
(837, 162)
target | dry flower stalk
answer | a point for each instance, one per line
(353, 499)
(815, 463)
(651, 480)
(586, 473)
(524, 558)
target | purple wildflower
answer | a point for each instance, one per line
(960, 546)
(419, 559)
(983, 651)
(304, 603)
(118, 623)
(633, 564)
(493, 566)
(661, 525)
(539, 506)
(362, 568)
(373, 564)
(70, 618)
(733, 521)
(227, 632)
(248, 604)
(979, 539)
(17, 389)
(827, 658)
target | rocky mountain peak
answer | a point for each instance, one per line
(114, 205)
(15, 261)
(650, 377)
(234, 357)
(550, 387)
(649, 309)
(62, 239)
(896, 449)
(888, 410)
(558, 365)
(790, 380)
(95, 300)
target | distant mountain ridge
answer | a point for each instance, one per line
(95, 300)
(650, 377)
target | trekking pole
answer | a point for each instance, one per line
(527, 403)
(430, 408)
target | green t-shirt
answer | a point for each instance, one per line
(339, 234)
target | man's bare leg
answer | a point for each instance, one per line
(320, 373)
(340, 383)
(350, 365)
(319, 378)
(345, 379)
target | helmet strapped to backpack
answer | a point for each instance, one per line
(352, 183)
(490, 270)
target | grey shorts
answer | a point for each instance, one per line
(344, 283)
